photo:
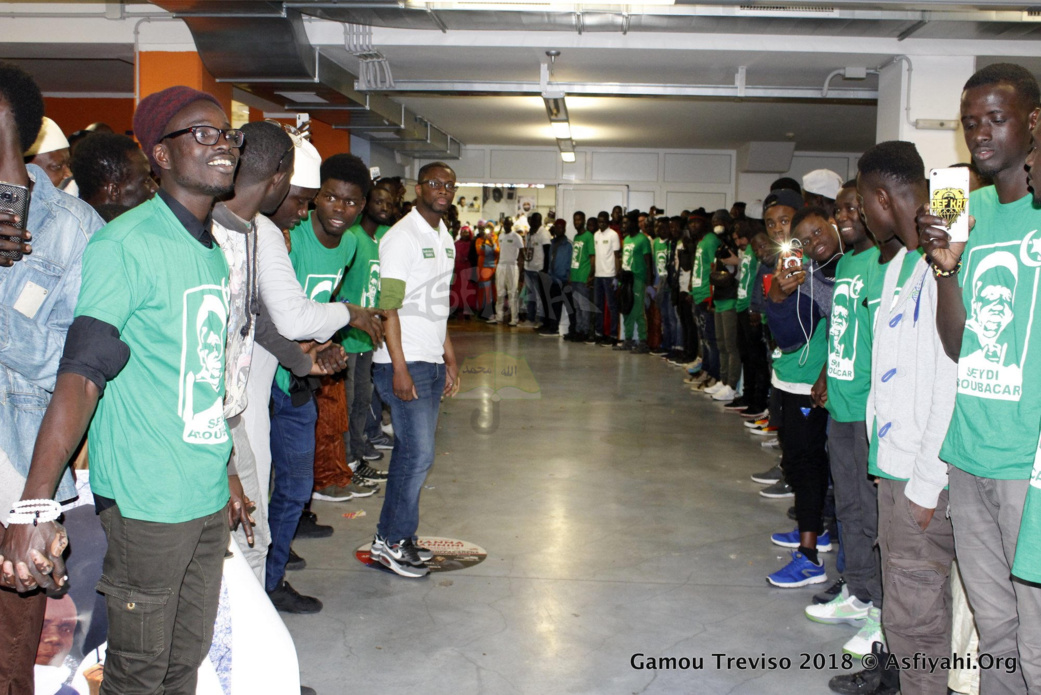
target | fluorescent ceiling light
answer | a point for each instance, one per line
(561, 130)
(528, 5)
(568, 157)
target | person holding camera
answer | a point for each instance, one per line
(723, 280)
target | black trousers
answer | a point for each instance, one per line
(688, 328)
(804, 458)
(752, 346)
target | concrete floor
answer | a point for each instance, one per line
(619, 519)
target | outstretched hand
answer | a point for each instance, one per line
(370, 321)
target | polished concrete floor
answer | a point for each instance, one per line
(619, 520)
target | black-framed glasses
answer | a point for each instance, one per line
(278, 167)
(209, 136)
(435, 185)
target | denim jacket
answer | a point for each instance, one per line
(37, 298)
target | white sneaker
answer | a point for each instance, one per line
(715, 388)
(388, 429)
(844, 608)
(725, 394)
(860, 643)
(514, 322)
(494, 320)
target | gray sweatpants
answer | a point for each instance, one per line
(856, 507)
(986, 515)
(916, 569)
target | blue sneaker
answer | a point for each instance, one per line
(799, 572)
(791, 540)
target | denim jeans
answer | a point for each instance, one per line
(603, 290)
(415, 423)
(706, 321)
(292, 458)
(533, 307)
(669, 319)
(374, 420)
(584, 309)
(358, 389)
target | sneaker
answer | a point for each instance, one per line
(725, 394)
(372, 455)
(514, 322)
(791, 513)
(383, 441)
(624, 345)
(401, 558)
(333, 493)
(765, 431)
(548, 333)
(844, 608)
(494, 320)
(695, 378)
(791, 540)
(377, 548)
(704, 386)
(771, 443)
(658, 352)
(778, 491)
(295, 561)
(831, 592)
(387, 429)
(755, 424)
(753, 413)
(424, 554)
(799, 572)
(737, 404)
(768, 477)
(875, 680)
(363, 470)
(694, 367)
(286, 600)
(711, 390)
(860, 644)
(642, 349)
(608, 342)
(310, 528)
(363, 487)
(591, 339)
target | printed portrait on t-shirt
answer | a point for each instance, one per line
(319, 288)
(842, 349)
(1001, 288)
(203, 335)
(576, 254)
(372, 286)
(627, 256)
(696, 278)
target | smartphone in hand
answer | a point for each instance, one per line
(14, 200)
(949, 199)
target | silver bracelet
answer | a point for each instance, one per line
(33, 512)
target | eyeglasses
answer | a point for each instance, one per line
(436, 185)
(209, 136)
(278, 167)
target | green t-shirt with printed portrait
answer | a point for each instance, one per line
(361, 286)
(581, 251)
(803, 366)
(704, 258)
(874, 302)
(661, 256)
(158, 442)
(997, 411)
(318, 269)
(850, 335)
(746, 272)
(635, 249)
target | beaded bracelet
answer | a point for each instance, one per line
(946, 273)
(34, 511)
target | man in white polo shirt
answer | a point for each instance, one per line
(416, 364)
(608, 262)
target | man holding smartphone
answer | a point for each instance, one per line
(36, 309)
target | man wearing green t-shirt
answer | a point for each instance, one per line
(361, 286)
(150, 331)
(583, 270)
(843, 387)
(321, 250)
(637, 260)
(663, 249)
(700, 295)
(988, 288)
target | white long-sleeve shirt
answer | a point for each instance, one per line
(295, 316)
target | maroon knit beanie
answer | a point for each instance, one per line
(155, 111)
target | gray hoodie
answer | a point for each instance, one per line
(913, 383)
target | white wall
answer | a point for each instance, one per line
(674, 179)
(376, 155)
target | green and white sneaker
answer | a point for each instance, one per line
(844, 608)
(860, 644)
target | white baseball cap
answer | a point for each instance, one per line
(823, 182)
(307, 165)
(50, 139)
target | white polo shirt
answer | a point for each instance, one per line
(510, 246)
(423, 258)
(606, 244)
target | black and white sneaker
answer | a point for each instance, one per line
(768, 477)
(399, 557)
(831, 592)
(382, 442)
(364, 470)
(736, 404)
(372, 455)
(778, 491)
(424, 554)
